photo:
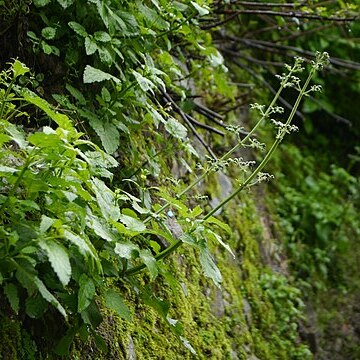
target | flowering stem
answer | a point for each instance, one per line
(169, 250)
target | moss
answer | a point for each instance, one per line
(10, 335)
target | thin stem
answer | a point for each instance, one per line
(6, 96)
(224, 157)
(169, 250)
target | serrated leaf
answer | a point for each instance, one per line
(127, 250)
(101, 227)
(108, 133)
(92, 315)
(152, 16)
(217, 238)
(102, 36)
(92, 75)
(19, 68)
(79, 29)
(176, 129)
(40, 3)
(86, 292)
(48, 32)
(221, 224)
(76, 94)
(150, 263)
(132, 223)
(10, 290)
(90, 47)
(43, 140)
(145, 84)
(16, 135)
(200, 9)
(58, 258)
(114, 301)
(36, 306)
(45, 223)
(84, 245)
(209, 267)
(61, 119)
(65, 3)
(106, 200)
(46, 294)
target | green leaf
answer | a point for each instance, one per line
(65, 3)
(106, 200)
(35, 307)
(101, 227)
(108, 133)
(43, 140)
(7, 170)
(48, 32)
(45, 224)
(208, 264)
(61, 119)
(92, 75)
(145, 84)
(114, 301)
(217, 238)
(219, 223)
(19, 68)
(86, 292)
(90, 47)
(176, 129)
(45, 293)
(132, 223)
(150, 263)
(102, 36)
(79, 29)
(40, 3)
(10, 290)
(16, 135)
(127, 250)
(46, 47)
(201, 10)
(84, 245)
(63, 346)
(76, 94)
(92, 316)
(59, 259)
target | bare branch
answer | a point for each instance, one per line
(295, 14)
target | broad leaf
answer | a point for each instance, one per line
(127, 250)
(176, 129)
(79, 29)
(10, 290)
(86, 292)
(46, 294)
(59, 259)
(132, 223)
(150, 263)
(65, 3)
(106, 200)
(208, 264)
(114, 301)
(92, 75)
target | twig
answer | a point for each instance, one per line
(189, 124)
(296, 14)
(257, 4)
(204, 126)
(209, 111)
(264, 45)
